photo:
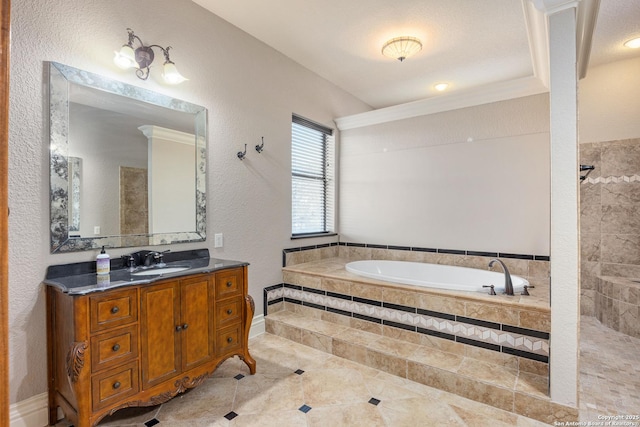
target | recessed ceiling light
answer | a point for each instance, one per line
(633, 43)
(441, 86)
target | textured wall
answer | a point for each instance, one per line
(470, 179)
(609, 101)
(250, 91)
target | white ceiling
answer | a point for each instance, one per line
(469, 44)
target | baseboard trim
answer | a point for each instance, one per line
(257, 326)
(33, 412)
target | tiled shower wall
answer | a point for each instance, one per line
(609, 218)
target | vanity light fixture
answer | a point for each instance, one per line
(633, 43)
(401, 48)
(141, 59)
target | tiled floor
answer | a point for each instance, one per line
(609, 372)
(299, 386)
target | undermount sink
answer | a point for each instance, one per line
(159, 271)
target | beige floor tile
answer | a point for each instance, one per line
(209, 401)
(327, 387)
(294, 418)
(257, 394)
(418, 412)
(359, 414)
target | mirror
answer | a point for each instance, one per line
(127, 165)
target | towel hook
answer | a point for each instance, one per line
(588, 168)
(260, 147)
(242, 154)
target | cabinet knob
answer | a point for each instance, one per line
(178, 328)
(229, 340)
(229, 311)
(185, 326)
(115, 309)
(116, 385)
(229, 284)
(116, 347)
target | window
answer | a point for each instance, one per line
(312, 178)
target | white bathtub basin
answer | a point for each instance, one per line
(434, 275)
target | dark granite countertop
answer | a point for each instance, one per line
(81, 278)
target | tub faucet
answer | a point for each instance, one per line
(508, 286)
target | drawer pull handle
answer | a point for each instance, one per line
(116, 385)
(185, 326)
(115, 309)
(229, 284)
(229, 311)
(178, 328)
(229, 340)
(116, 347)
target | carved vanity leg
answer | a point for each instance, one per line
(250, 309)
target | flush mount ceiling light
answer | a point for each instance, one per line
(142, 57)
(633, 43)
(401, 48)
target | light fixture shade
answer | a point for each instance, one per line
(125, 58)
(171, 75)
(401, 48)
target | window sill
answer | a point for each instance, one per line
(313, 235)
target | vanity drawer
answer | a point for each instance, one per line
(111, 386)
(114, 348)
(228, 339)
(228, 312)
(113, 309)
(229, 283)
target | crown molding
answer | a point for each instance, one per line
(537, 14)
(153, 131)
(538, 35)
(468, 98)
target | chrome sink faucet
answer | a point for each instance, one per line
(508, 286)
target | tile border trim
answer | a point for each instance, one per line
(466, 252)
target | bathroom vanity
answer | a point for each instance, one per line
(139, 338)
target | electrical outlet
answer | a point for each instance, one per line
(218, 240)
(96, 230)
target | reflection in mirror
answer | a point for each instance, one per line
(128, 166)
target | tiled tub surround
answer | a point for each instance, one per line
(617, 304)
(609, 223)
(492, 349)
(528, 343)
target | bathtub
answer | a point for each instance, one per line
(434, 275)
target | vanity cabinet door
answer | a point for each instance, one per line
(160, 342)
(197, 317)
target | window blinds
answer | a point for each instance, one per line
(312, 183)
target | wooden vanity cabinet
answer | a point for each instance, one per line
(177, 327)
(141, 345)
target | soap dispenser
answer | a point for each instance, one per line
(103, 264)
